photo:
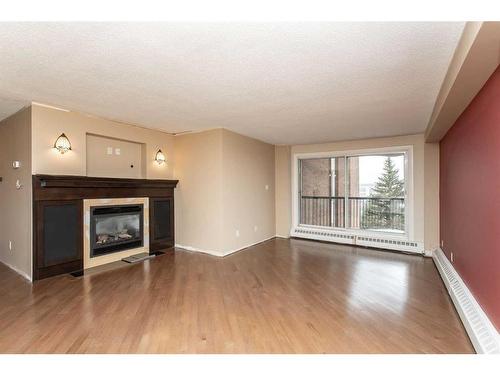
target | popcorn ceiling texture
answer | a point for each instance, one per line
(8, 107)
(284, 83)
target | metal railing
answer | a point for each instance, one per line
(322, 211)
(362, 212)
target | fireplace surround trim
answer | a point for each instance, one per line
(90, 261)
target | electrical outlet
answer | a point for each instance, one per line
(118, 151)
(110, 151)
(255, 228)
(266, 187)
(451, 256)
(10, 245)
(237, 233)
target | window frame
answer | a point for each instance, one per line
(407, 150)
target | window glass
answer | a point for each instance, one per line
(376, 192)
(322, 192)
(365, 192)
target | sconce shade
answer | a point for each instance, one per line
(62, 144)
(160, 158)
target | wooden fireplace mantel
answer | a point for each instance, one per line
(58, 203)
(50, 187)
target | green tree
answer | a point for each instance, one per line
(381, 212)
(388, 185)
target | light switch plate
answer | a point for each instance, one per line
(110, 151)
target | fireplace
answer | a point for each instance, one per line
(62, 220)
(116, 228)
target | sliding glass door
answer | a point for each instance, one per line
(377, 193)
(365, 192)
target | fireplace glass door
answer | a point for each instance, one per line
(116, 228)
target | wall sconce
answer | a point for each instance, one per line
(62, 144)
(160, 158)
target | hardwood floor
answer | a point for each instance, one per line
(282, 296)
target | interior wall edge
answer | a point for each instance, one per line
(477, 56)
(16, 192)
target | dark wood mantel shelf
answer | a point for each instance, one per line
(48, 187)
(58, 203)
(83, 181)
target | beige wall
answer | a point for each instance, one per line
(247, 191)
(283, 190)
(421, 180)
(15, 204)
(198, 196)
(112, 157)
(49, 123)
(222, 189)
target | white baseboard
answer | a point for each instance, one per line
(23, 274)
(198, 250)
(482, 333)
(217, 253)
(244, 247)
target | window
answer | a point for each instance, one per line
(355, 191)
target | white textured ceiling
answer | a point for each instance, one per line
(284, 83)
(9, 106)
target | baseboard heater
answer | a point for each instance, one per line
(360, 240)
(483, 334)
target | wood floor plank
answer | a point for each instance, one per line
(281, 296)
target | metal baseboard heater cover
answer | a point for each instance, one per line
(361, 240)
(483, 334)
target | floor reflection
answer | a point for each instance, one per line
(379, 285)
(282, 296)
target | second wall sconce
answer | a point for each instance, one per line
(62, 144)
(160, 157)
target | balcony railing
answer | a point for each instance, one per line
(368, 213)
(322, 211)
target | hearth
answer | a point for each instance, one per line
(116, 228)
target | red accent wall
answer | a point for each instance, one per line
(470, 196)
